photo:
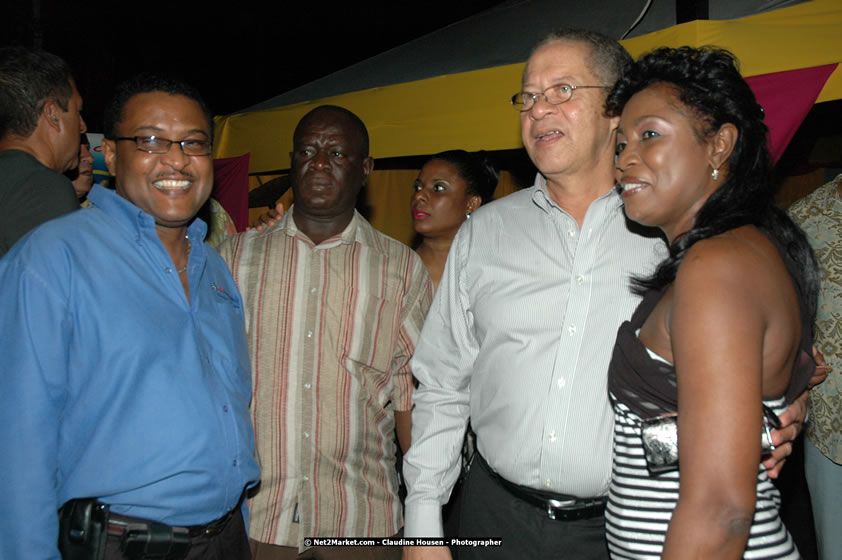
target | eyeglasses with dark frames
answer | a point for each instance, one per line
(161, 145)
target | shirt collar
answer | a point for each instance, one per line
(136, 221)
(541, 197)
(347, 237)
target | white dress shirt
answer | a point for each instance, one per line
(518, 339)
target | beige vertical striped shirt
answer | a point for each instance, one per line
(331, 329)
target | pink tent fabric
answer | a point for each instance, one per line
(231, 188)
(786, 98)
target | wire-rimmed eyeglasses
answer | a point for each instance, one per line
(555, 95)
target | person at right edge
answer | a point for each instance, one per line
(723, 336)
(820, 214)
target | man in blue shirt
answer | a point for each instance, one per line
(125, 370)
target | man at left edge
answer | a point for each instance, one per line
(126, 372)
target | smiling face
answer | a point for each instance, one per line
(329, 166)
(441, 200)
(664, 165)
(575, 136)
(171, 186)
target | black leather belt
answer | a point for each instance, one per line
(119, 524)
(85, 524)
(558, 507)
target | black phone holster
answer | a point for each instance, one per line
(84, 526)
(83, 530)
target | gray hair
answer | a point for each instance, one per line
(607, 56)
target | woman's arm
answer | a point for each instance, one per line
(717, 325)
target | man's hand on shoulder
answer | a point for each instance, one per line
(426, 553)
(270, 218)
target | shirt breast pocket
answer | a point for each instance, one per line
(366, 345)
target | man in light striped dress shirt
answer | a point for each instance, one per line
(333, 311)
(522, 327)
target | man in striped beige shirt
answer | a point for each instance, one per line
(333, 310)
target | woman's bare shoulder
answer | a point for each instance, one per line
(741, 267)
(740, 254)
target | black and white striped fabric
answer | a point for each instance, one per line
(642, 384)
(640, 505)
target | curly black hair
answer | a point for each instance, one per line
(707, 81)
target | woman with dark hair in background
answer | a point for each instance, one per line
(449, 187)
(723, 334)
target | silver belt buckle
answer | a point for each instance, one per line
(553, 505)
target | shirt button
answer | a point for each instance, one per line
(309, 334)
(312, 290)
(580, 279)
(235, 462)
(168, 270)
(225, 408)
(306, 385)
(553, 438)
(306, 434)
(561, 383)
(306, 478)
(548, 483)
(571, 232)
(571, 329)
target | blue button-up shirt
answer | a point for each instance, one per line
(112, 384)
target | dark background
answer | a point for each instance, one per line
(241, 53)
(236, 56)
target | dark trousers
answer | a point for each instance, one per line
(231, 544)
(490, 511)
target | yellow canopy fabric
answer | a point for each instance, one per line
(469, 110)
(387, 197)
